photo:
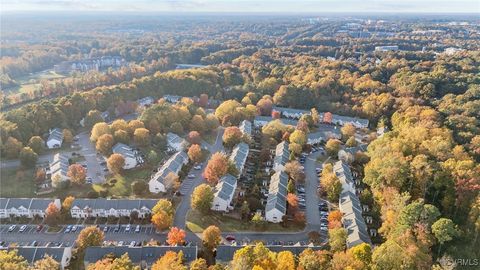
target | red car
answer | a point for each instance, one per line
(230, 238)
(39, 227)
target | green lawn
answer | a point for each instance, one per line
(121, 187)
(15, 182)
(197, 222)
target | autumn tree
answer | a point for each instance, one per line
(211, 237)
(134, 125)
(12, 148)
(444, 230)
(309, 260)
(176, 236)
(216, 168)
(141, 136)
(115, 163)
(285, 260)
(139, 187)
(98, 130)
(264, 106)
(202, 198)
(337, 239)
(197, 124)
(28, 158)
(195, 153)
(92, 118)
(335, 219)
(52, 214)
(348, 131)
(199, 264)
(119, 124)
(121, 136)
(110, 262)
(90, 236)
(332, 147)
(104, 144)
(67, 136)
(46, 263)
(67, 205)
(10, 260)
(194, 137)
(163, 214)
(171, 261)
(295, 170)
(77, 174)
(232, 136)
(37, 144)
(292, 201)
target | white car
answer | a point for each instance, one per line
(198, 167)
(22, 228)
(191, 176)
(133, 243)
(127, 229)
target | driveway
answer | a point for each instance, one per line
(311, 184)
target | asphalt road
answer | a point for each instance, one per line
(311, 184)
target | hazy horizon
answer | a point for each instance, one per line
(246, 6)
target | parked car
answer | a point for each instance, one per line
(34, 244)
(39, 227)
(198, 167)
(191, 176)
(137, 229)
(230, 238)
(120, 243)
(22, 228)
(11, 228)
(127, 229)
(132, 244)
(117, 229)
(105, 229)
(301, 189)
(74, 228)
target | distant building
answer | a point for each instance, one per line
(144, 257)
(276, 206)
(452, 51)
(159, 182)
(224, 191)
(343, 120)
(84, 65)
(246, 128)
(172, 98)
(261, 121)
(174, 142)
(189, 66)
(290, 113)
(132, 157)
(85, 208)
(282, 155)
(58, 169)
(145, 102)
(353, 221)
(386, 48)
(62, 255)
(55, 138)
(323, 136)
(25, 207)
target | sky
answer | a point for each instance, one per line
(274, 6)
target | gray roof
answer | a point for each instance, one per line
(137, 255)
(282, 154)
(239, 155)
(354, 150)
(113, 204)
(3, 203)
(277, 192)
(246, 127)
(172, 98)
(353, 222)
(173, 138)
(225, 252)
(343, 172)
(172, 165)
(33, 254)
(290, 110)
(226, 187)
(59, 164)
(145, 101)
(56, 134)
(19, 202)
(324, 135)
(124, 150)
(290, 122)
(347, 119)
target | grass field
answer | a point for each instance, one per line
(197, 222)
(32, 82)
(121, 187)
(15, 182)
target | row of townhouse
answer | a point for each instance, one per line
(145, 102)
(276, 206)
(62, 255)
(85, 208)
(261, 121)
(132, 157)
(281, 156)
(246, 128)
(175, 143)
(348, 154)
(350, 206)
(25, 207)
(144, 257)
(323, 136)
(326, 117)
(58, 169)
(161, 181)
(226, 186)
(55, 138)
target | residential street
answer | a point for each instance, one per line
(311, 197)
(189, 185)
